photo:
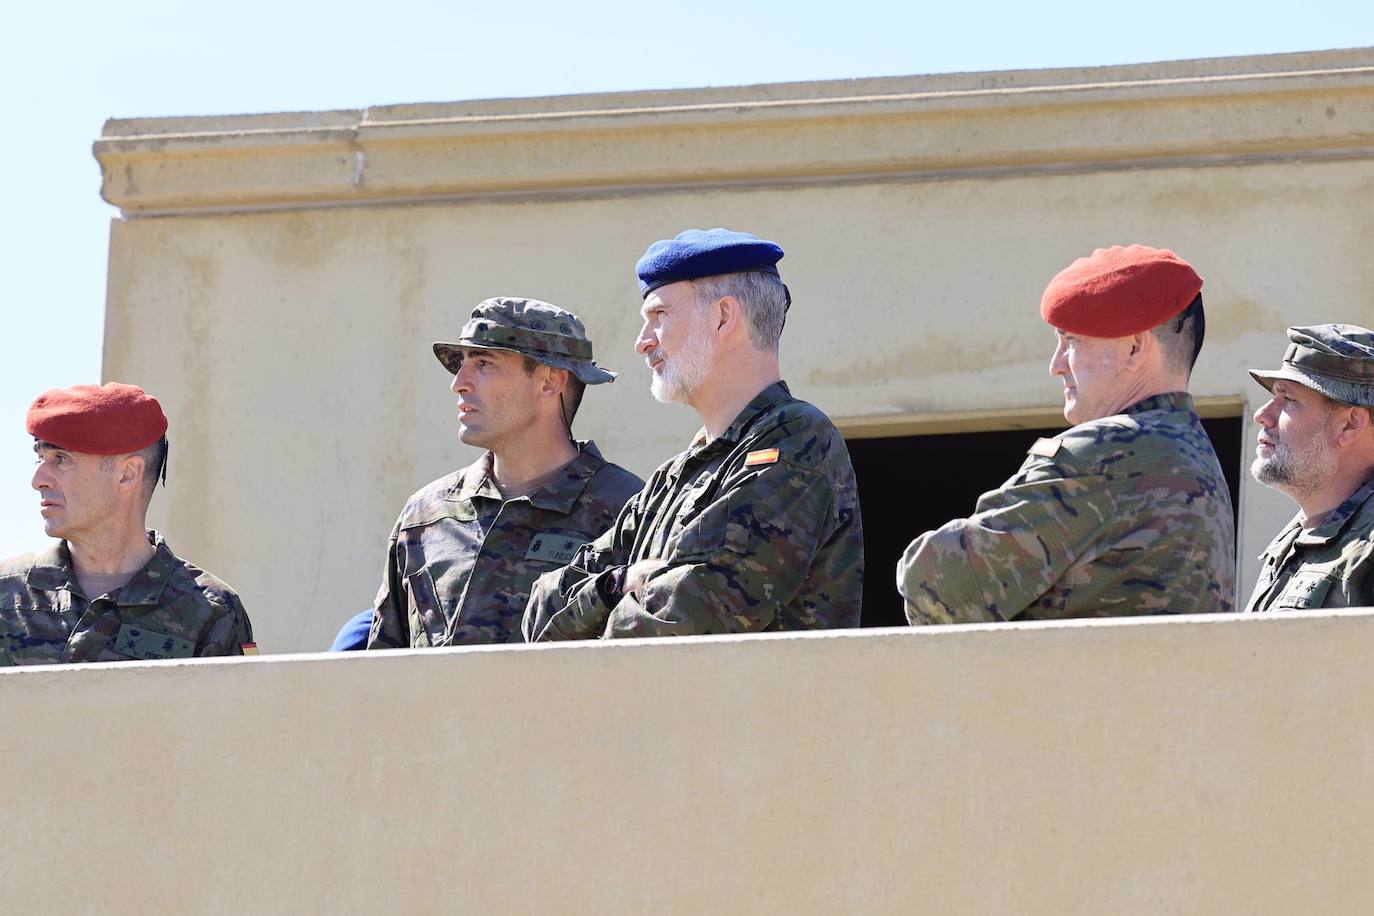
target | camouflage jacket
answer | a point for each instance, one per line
(760, 530)
(1125, 515)
(1329, 566)
(461, 558)
(169, 609)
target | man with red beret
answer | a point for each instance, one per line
(1127, 512)
(109, 589)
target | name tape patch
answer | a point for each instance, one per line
(1044, 448)
(140, 642)
(762, 456)
(552, 547)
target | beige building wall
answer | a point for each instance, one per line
(276, 280)
(1185, 765)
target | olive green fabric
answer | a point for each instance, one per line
(536, 329)
(758, 530)
(1128, 514)
(169, 609)
(1329, 566)
(1336, 360)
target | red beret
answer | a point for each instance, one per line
(1119, 291)
(109, 419)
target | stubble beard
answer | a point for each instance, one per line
(1296, 475)
(683, 375)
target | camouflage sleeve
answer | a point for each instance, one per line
(390, 620)
(742, 558)
(1019, 542)
(566, 603)
(229, 632)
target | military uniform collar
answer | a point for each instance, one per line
(765, 399)
(558, 495)
(475, 480)
(1173, 400)
(1334, 524)
(52, 570)
(147, 584)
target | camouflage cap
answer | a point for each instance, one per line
(1336, 360)
(536, 329)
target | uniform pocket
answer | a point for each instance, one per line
(428, 623)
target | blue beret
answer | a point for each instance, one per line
(705, 253)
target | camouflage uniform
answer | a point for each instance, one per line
(461, 558)
(760, 529)
(169, 609)
(1330, 565)
(1128, 514)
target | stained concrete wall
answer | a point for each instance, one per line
(1191, 765)
(277, 279)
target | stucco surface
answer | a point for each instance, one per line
(1205, 765)
(286, 326)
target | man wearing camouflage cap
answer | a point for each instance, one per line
(1316, 444)
(467, 546)
(756, 525)
(109, 589)
(1127, 512)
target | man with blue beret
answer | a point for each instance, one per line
(755, 526)
(1316, 444)
(466, 548)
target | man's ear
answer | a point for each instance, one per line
(1140, 345)
(1354, 427)
(555, 380)
(727, 315)
(130, 472)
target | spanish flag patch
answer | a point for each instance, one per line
(249, 648)
(762, 456)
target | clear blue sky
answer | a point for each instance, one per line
(66, 67)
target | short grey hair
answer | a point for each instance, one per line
(764, 299)
(154, 459)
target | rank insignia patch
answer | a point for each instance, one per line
(552, 547)
(140, 642)
(1044, 448)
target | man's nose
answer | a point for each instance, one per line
(40, 479)
(1266, 415)
(647, 340)
(1058, 364)
(460, 382)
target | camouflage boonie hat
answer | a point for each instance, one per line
(536, 329)
(1336, 360)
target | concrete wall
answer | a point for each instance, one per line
(1192, 765)
(277, 279)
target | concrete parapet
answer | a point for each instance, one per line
(1206, 765)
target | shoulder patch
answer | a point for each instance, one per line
(762, 456)
(1044, 448)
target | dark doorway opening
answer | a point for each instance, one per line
(911, 484)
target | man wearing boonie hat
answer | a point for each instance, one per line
(756, 525)
(467, 546)
(1127, 512)
(109, 589)
(1316, 444)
